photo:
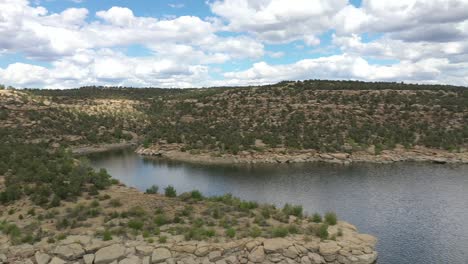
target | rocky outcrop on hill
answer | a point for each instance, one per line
(418, 154)
(352, 248)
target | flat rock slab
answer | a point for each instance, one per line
(109, 254)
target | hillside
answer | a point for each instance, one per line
(289, 117)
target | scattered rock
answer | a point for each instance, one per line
(109, 254)
(57, 260)
(41, 258)
(70, 252)
(160, 255)
(257, 255)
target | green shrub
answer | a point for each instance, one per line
(293, 229)
(331, 218)
(170, 191)
(31, 212)
(279, 231)
(152, 190)
(231, 232)
(295, 210)
(135, 224)
(115, 203)
(316, 218)
(107, 235)
(322, 231)
(162, 239)
(255, 232)
(196, 195)
(160, 219)
(94, 203)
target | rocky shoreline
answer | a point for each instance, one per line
(82, 245)
(418, 154)
(354, 249)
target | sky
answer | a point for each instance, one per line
(201, 43)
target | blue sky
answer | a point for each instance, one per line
(70, 43)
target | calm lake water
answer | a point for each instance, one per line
(418, 211)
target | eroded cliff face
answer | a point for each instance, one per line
(123, 225)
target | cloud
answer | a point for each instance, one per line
(106, 67)
(176, 5)
(279, 21)
(352, 67)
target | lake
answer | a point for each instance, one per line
(418, 211)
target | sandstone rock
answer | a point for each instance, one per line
(305, 260)
(57, 260)
(202, 251)
(186, 248)
(88, 258)
(189, 260)
(70, 252)
(214, 255)
(231, 260)
(316, 258)
(368, 239)
(146, 260)
(130, 260)
(144, 250)
(290, 252)
(83, 240)
(312, 246)
(41, 258)
(275, 244)
(160, 255)
(221, 261)
(366, 259)
(23, 251)
(328, 248)
(109, 254)
(3, 258)
(257, 255)
(275, 257)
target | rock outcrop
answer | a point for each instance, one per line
(351, 248)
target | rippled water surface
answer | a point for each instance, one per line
(418, 211)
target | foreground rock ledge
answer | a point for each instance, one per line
(352, 248)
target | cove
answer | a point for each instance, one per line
(418, 211)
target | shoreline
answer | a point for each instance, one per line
(273, 157)
(91, 149)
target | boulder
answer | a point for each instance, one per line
(41, 258)
(109, 254)
(276, 244)
(88, 259)
(144, 250)
(290, 252)
(202, 251)
(215, 255)
(57, 260)
(70, 252)
(160, 255)
(130, 260)
(316, 258)
(257, 255)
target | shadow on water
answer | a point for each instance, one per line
(418, 211)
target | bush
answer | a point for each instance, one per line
(196, 195)
(115, 203)
(295, 210)
(331, 218)
(255, 232)
(231, 232)
(106, 236)
(162, 239)
(322, 231)
(160, 220)
(170, 191)
(135, 224)
(316, 218)
(279, 231)
(152, 190)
